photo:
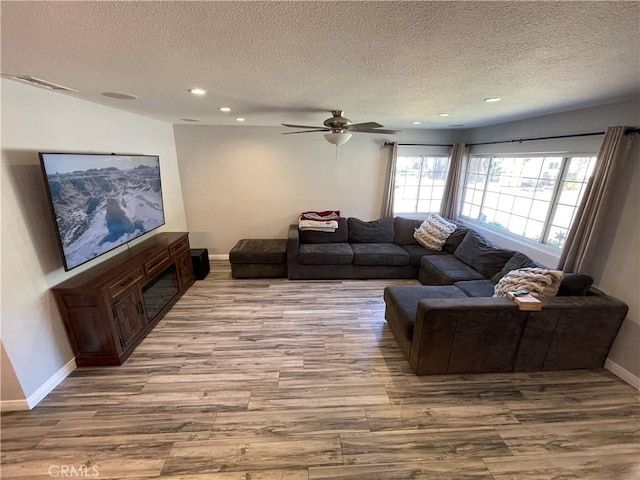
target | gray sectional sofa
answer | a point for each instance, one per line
(382, 248)
(452, 323)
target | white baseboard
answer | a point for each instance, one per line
(622, 373)
(219, 256)
(44, 390)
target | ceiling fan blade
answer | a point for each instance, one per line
(357, 127)
(308, 131)
(301, 126)
(378, 130)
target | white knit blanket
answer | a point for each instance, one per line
(318, 226)
(434, 231)
(539, 282)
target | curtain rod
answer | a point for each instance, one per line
(628, 131)
(537, 138)
(388, 144)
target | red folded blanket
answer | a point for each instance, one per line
(324, 216)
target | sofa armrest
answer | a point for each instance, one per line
(571, 333)
(293, 245)
(464, 335)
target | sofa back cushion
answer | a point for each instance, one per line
(575, 285)
(455, 239)
(479, 254)
(403, 229)
(517, 261)
(341, 235)
(376, 231)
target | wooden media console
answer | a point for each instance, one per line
(107, 310)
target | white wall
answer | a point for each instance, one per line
(252, 182)
(36, 120)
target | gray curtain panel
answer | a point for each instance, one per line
(455, 182)
(582, 241)
(387, 199)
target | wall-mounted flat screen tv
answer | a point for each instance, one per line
(101, 201)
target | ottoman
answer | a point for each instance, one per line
(259, 258)
(401, 306)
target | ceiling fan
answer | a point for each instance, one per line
(341, 128)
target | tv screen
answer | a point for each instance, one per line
(101, 201)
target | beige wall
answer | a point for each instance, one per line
(36, 120)
(619, 270)
(9, 384)
(252, 182)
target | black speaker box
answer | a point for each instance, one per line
(200, 262)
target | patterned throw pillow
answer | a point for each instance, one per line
(539, 282)
(434, 231)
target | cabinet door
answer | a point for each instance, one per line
(129, 315)
(185, 269)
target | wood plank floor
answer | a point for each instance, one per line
(272, 379)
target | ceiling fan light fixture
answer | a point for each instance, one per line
(337, 138)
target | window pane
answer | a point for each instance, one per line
(517, 224)
(539, 210)
(502, 220)
(491, 199)
(556, 237)
(506, 203)
(534, 230)
(521, 206)
(562, 216)
(545, 190)
(466, 210)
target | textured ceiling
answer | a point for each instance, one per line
(293, 62)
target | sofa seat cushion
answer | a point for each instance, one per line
(416, 252)
(405, 299)
(477, 288)
(478, 253)
(325, 254)
(379, 254)
(376, 231)
(445, 270)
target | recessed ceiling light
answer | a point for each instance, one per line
(445, 114)
(416, 123)
(492, 99)
(118, 96)
(225, 109)
(189, 120)
(197, 91)
(239, 119)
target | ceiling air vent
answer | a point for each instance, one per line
(38, 82)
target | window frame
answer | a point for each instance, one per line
(542, 244)
(423, 156)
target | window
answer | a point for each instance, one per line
(419, 185)
(534, 197)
